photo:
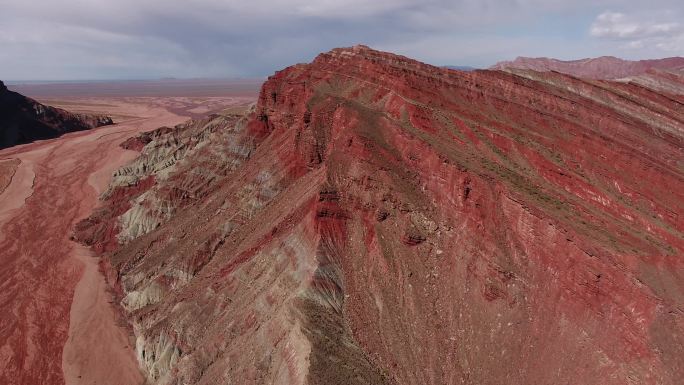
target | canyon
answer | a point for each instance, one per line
(371, 219)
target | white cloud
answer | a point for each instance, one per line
(147, 38)
(662, 31)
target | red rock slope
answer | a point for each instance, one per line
(605, 67)
(378, 220)
(669, 82)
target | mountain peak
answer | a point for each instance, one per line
(368, 59)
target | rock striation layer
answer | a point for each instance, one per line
(376, 220)
(605, 67)
(24, 120)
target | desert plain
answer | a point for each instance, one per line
(55, 302)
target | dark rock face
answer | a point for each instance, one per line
(24, 120)
(376, 220)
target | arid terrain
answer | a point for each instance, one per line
(24, 120)
(377, 220)
(57, 322)
(371, 219)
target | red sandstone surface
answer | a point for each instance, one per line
(7, 170)
(379, 220)
(605, 67)
(57, 325)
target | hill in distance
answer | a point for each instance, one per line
(24, 120)
(605, 67)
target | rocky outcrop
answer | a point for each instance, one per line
(376, 220)
(667, 82)
(177, 166)
(605, 67)
(7, 170)
(24, 120)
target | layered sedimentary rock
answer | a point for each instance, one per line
(605, 67)
(379, 220)
(669, 82)
(177, 166)
(24, 120)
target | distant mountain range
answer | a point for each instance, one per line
(460, 68)
(604, 67)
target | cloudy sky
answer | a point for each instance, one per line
(133, 39)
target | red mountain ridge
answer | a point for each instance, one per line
(377, 220)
